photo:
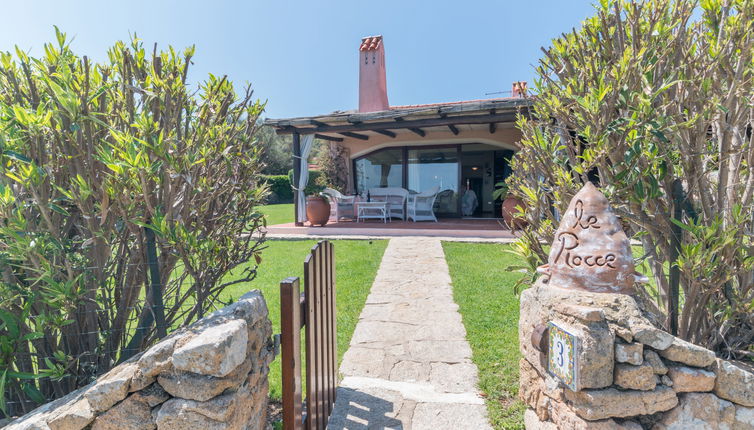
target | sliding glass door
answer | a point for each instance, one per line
(435, 169)
(417, 169)
(379, 169)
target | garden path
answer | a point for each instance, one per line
(409, 364)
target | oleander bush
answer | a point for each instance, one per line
(126, 196)
(653, 101)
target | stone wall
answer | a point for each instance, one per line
(210, 375)
(632, 375)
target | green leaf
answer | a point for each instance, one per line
(10, 323)
(60, 36)
(59, 209)
(16, 156)
(32, 336)
(683, 225)
(24, 375)
(2, 391)
(34, 394)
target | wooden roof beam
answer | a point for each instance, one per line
(329, 138)
(403, 124)
(354, 135)
(454, 129)
(418, 131)
(387, 133)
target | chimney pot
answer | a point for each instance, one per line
(372, 81)
(519, 89)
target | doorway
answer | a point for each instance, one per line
(482, 166)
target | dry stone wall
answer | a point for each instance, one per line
(210, 375)
(632, 375)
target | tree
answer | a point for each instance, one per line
(332, 160)
(276, 154)
(125, 199)
(653, 100)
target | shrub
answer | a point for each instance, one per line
(280, 189)
(653, 101)
(125, 199)
(313, 184)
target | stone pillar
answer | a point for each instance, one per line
(625, 372)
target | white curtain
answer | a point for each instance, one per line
(306, 148)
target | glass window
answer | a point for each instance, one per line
(435, 167)
(379, 170)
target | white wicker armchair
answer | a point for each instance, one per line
(340, 206)
(420, 206)
(394, 196)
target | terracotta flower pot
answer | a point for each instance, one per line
(511, 207)
(317, 210)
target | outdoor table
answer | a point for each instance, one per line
(372, 210)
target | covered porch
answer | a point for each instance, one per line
(457, 150)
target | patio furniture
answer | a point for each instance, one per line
(372, 210)
(444, 199)
(395, 197)
(341, 206)
(420, 207)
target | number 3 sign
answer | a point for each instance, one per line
(562, 356)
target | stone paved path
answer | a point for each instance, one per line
(408, 366)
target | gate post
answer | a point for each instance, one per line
(290, 360)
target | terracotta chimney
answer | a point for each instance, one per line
(519, 89)
(372, 82)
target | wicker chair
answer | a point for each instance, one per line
(420, 206)
(340, 206)
(395, 197)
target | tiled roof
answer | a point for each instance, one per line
(370, 43)
(452, 103)
(454, 109)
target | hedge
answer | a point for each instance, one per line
(281, 190)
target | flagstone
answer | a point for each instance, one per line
(409, 364)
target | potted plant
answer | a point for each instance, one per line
(317, 205)
(512, 205)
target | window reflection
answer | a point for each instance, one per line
(435, 167)
(379, 170)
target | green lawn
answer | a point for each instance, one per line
(356, 264)
(278, 214)
(483, 290)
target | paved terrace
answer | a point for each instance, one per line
(477, 230)
(409, 365)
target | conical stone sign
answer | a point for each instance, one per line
(590, 251)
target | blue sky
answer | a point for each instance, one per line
(302, 56)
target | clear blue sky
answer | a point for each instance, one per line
(302, 56)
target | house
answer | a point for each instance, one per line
(455, 146)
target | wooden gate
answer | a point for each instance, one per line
(314, 310)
